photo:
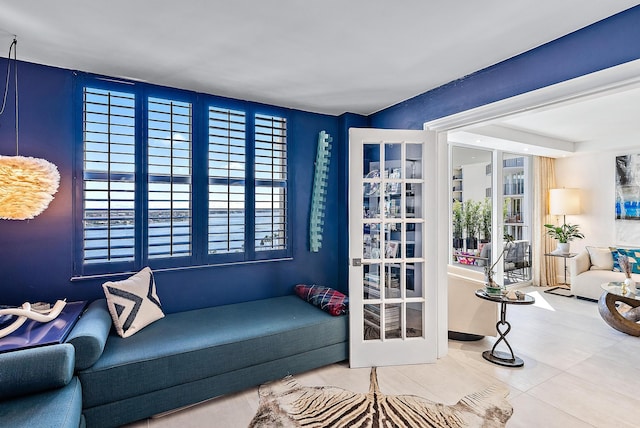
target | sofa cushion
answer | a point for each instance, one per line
(90, 333)
(601, 258)
(325, 298)
(634, 256)
(187, 346)
(133, 302)
(32, 370)
(60, 408)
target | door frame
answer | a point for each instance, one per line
(605, 82)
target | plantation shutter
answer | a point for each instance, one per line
(108, 176)
(169, 178)
(270, 183)
(226, 170)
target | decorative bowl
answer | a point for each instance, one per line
(493, 291)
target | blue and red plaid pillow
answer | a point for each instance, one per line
(325, 298)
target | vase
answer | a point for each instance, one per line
(563, 247)
(630, 285)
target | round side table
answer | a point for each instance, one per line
(507, 359)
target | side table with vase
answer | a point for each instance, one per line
(563, 286)
(499, 357)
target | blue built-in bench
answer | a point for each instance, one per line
(188, 357)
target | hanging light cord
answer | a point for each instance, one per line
(13, 47)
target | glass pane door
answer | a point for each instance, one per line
(388, 304)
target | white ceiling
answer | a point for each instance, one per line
(604, 121)
(327, 56)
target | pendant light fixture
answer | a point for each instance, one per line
(27, 184)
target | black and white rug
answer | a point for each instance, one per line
(287, 404)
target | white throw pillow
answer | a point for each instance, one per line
(133, 302)
(601, 258)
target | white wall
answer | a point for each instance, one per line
(475, 181)
(594, 175)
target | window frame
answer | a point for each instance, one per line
(200, 104)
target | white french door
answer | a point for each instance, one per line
(392, 247)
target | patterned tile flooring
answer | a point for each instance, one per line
(578, 372)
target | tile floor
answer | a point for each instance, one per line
(578, 372)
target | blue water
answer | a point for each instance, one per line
(226, 234)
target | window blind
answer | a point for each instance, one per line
(270, 183)
(226, 171)
(108, 176)
(169, 131)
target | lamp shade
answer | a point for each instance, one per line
(27, 186)
(564, 201)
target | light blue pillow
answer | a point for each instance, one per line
(632, 253)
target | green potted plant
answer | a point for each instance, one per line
(564, 234)
(457, 219)
(485, 220)
(471, 223)
(490, 285)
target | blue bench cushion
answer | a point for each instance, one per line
(60, 407)
(35, 369)
(90, 333)
(188, 346)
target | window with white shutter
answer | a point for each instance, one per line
(270, 183)
(169, 178)
(176, 180)
(226, 166)
(109, 174)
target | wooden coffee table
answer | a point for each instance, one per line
(627, 321)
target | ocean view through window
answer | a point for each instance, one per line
(141, 204)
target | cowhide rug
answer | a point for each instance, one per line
(287, 404)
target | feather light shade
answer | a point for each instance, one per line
(27, 186)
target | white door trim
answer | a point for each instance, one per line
(608, 81)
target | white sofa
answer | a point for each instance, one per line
(592, 267)
(469, 314)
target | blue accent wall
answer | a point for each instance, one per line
(607, 43)
(36, 256)
(341, 161)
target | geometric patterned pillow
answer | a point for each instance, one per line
(614, 254)
(133, 302)
(634, 258)
(326, 298)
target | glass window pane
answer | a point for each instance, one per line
(169, 181)
(371, 281)
(413, 198)
(472, 171)
(414, 240)
(371, 322)
(393, 321)
(109, 174)
(393, 161)
(371, 159)
(371, 241)
(392, 274)
(413, 279)
(415, 319)
(413, 161)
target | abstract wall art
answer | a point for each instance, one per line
(628, 187)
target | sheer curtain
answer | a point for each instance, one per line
(544, 268)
